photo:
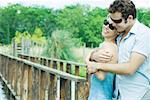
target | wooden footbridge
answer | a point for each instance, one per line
(37, 78)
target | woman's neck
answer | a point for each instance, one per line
(110, 40)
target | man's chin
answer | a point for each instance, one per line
(120, 32)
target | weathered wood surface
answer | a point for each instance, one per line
(50, 80)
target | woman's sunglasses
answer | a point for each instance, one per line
(110, 25)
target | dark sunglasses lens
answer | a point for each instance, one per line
(111, 27)
(116, 21)
(106, 22)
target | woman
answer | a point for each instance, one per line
(102, 83)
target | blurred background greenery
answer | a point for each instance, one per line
(60, 29)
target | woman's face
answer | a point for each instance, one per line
(109, 30)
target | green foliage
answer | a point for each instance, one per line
(144, 16)
(38, 36)
(19, 18)
(60, 45)
(19, 36)
(83, 22)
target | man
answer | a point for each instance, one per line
(133, 68)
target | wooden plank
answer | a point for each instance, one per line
(25, 83)
(35, 89)
(68, 68)
(19, 77)
(58, 88)
(10, 72)
(39, 84)
(81, 91)
(15, 78)
(68, 83)
(32, 59)
(56, 72)
(30, 83)
(14, 74)
(44, 62)
(72, 90)
(47, 84)
(41, 61)
(4, 68)
(65, 89)
(54, 65)
(7, 65)
(52, 87)
(3, 64)
(62, 89)
(59, 60)
(61, 66)
(49, 63)
(43, 84)
(77, 70)
(50, 70)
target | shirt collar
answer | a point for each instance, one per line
(133, 30)
(135, 27)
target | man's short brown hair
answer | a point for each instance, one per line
(125, 7)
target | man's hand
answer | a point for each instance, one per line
(102, 56)
(91, 67)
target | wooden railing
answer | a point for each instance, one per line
(32, 81)
(65, 66)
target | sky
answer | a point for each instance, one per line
(57, 4)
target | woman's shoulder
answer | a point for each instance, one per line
(110, 45)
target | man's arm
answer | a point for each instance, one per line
(125, 68)
(95, 57)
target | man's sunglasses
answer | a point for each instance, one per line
(116, 21)
(110, 25)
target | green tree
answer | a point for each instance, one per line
(19, 18)
(84, 22)
(60, 45)
(38, 36)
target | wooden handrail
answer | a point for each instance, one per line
(57, 60)
(50, 62)
(31, 81)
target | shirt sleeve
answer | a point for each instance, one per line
(142, 44)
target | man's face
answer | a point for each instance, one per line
(120, 23)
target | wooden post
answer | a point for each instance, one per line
(58, 88)
(25, 83)
(30, 83)
(43, 84)
(13, 47)
(52, 87)
(72, 90)
(19, 77)
(35, 84)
